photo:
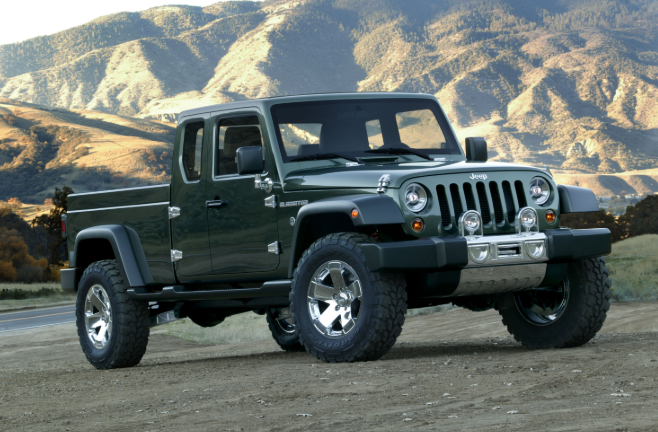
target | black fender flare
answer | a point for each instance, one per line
(127, 249)
(372, 210)
(574, 199)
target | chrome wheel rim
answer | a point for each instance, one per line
(98, 316)
(284, 320)
(334, 299)
(543, 314)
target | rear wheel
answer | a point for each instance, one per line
(283, 330)
(566, 316)
(343, 311)
(113, 329)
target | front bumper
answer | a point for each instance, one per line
(433, 254)
(440, 267)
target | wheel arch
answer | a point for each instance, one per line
(332, 215)
(112, 242)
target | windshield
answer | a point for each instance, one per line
(362, 128)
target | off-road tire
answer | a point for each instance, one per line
(383, 310)
(287, 341)
(130, 319)
(583, 317)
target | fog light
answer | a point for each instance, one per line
(535, 249)
(550, 216)
(417, 225)
(526, 219)
(470, 222)
(479, 252)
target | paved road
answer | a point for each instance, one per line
(34, 318)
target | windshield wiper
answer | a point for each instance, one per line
(322, 156)
(399, 150)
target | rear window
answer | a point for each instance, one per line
(352, 127)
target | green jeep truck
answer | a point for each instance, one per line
(331, 215)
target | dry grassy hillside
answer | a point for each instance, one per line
(572, 84)
(41, 148)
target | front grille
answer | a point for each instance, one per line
(497, 205)
(495, 202)
(456, 199)
(443, 205)
(484, 203)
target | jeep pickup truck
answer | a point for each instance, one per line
(331, 215)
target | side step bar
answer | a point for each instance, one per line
(180, 293)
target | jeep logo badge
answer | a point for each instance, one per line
(478, 176)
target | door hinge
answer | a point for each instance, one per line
(270, 201)
(274, 248)
(176, 255)
(174, 212)
(263, 184)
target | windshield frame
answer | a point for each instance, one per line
(453, 147)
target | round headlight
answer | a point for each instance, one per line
(540, 190)
(415, 197)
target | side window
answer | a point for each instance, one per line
(192, 150)
(419, 129)
(235, 133)
(375, 138)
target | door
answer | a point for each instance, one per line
(188, 193)
(242, 231)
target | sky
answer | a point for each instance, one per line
(25, 19)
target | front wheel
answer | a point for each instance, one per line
(113, 329)
(283, 330)
(566, 316)
(342, 310)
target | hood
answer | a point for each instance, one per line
(367, 176)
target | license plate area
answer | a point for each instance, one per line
(508, 250)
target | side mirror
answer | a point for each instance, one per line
(476, 149)
(250, 160)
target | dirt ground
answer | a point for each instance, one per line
(455, 370)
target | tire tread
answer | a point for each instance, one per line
(390, 304)
(595, 284)
(132, 318)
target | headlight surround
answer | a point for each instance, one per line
(535, 248)
(540, 190)
(415, 197)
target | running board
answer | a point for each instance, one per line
(180, 293)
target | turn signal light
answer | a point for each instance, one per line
(550, 216)
(355, 213)
(417, 225)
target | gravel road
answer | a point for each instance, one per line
(456, 370)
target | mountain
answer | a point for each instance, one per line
(572, 84)
(42, 148)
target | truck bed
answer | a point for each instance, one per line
(143, 209)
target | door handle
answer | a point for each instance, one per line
(216, 203)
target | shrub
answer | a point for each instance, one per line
(18, 294)
(642, 218)
(14, 253)
(7, 272)
(601, 219)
